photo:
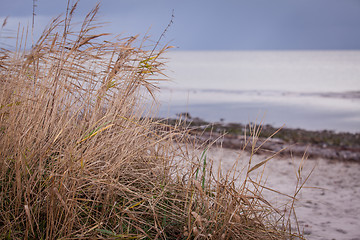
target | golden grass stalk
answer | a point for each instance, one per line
(81, 157)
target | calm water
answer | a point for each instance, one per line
(314, 90)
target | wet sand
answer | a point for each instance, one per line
(328, 207)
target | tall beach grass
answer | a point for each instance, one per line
(82, 158)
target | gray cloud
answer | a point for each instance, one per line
(222, 25)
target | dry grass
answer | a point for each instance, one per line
(81, 157)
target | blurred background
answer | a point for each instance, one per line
(281, 62)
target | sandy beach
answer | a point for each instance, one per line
(328, 205)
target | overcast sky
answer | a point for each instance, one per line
(216, 24)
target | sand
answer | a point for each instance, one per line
(328, 207)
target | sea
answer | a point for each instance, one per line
(312, 90)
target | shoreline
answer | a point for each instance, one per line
(287, 141)
(272, 146)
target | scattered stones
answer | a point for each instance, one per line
(341, 231)
(298, 142)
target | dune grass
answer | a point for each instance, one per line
(82, 158)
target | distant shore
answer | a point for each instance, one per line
(297, 142)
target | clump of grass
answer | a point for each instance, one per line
(81, 156)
